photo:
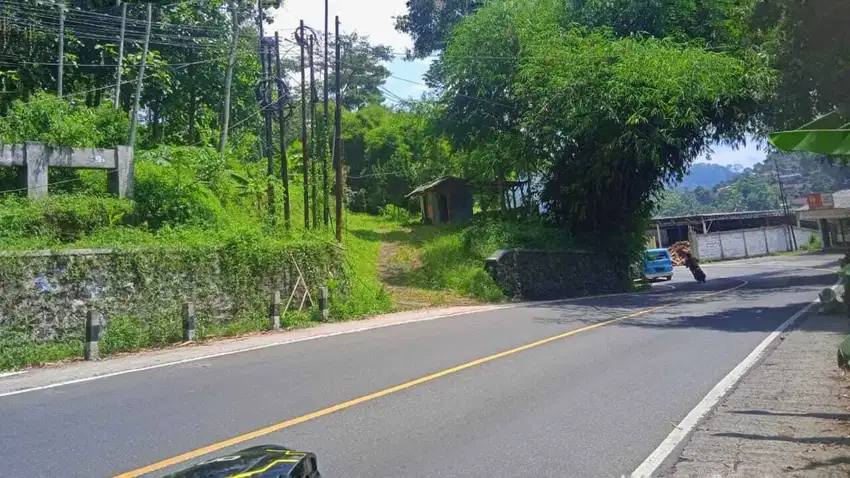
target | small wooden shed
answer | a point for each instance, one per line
(445, 200)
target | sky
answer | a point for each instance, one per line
(747, 156)
(376, 19)
(372, 18)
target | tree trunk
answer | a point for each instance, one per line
(156, 128)
(228, 76)
(193, 107)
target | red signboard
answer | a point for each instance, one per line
(821, 201)
(815, 201)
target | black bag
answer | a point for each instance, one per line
(699, 275)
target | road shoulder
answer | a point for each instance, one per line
(788, 416)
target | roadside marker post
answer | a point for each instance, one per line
(188, 322)
(274, 310)
(91, 350)
(323, 303)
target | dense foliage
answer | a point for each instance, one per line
(590, 111)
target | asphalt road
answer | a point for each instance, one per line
(592, 403)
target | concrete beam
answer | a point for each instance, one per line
(11, 155)
(82, 158)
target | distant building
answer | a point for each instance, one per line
(732, 235)
(450, 199)
(831, 211)
(445, 200)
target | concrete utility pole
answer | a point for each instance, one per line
(338, 141)
(784, 199)
(117, 100)
(140, 79)
(305, 150)
(265, 102)
(326, 129)
(61, 65)
(284, 165)
(313, 140)
(228, 76)
(267, 70)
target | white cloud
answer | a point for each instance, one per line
(374, 18)
(750, 154)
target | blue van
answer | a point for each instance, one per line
(657, 264)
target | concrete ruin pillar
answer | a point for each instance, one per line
(36, 159)
(120, 179)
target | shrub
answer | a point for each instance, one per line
(170, 196)
(485, 238)
(61, 218)
(59, 122)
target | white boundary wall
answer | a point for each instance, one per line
(719, 246)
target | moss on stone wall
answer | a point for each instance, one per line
(44, 296)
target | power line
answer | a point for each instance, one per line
(95, 36)
(30, 8)
(113, 85)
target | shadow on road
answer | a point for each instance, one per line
(839, 460)
(768, 299)
(825, 416)
(829, 440)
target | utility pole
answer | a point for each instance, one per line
(313, 141)
(305, 152)
(267, 116)
(117, 100)
(228, 76)
(265, 104)
(338, 140)
(61, 72)
(326, 129)
(139, 80)
(784, 202)
(284, 166)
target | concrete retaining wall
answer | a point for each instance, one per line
(718, 246)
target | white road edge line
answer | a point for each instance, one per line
(692, 419)
(292, 341)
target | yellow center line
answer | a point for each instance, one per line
(404, 386)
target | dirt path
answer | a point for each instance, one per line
(396, 261)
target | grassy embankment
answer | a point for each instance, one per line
(393, 264)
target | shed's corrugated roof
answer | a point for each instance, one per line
(428, 186)
(716, 216)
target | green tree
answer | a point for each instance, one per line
(607, 120)
(363, 71)
(389, 152)
(810, 44)
(429, 22)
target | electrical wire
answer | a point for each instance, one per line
(30, 7)
(112, 86)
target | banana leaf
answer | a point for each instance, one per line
(829, 135)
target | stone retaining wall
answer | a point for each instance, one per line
(44, 295)
(545, 275)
